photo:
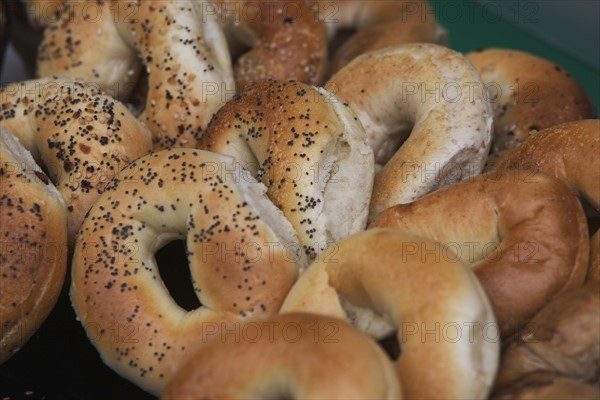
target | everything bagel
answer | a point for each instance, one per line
(373, 274)
(427, 100)
(182, 47)
(229, 228)
(287, 41)
(81, 136)
(523, 233)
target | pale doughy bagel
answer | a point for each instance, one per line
(427, 98)
(378, 24)
(33, 245)
(183, 48)
(310, 152)
(286, 37)
(523, 233)
(299, 356)
(243, 257)
(569, 151)
(417, 289)
(81, 136)
(528, 93)
(562, 339)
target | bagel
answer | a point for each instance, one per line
(427, 98)
(548, 386)
(377, 25)
(417, 289)
(81, 136)
(81, 40)
(563, 339)
(594, 269)
(524, 234)
(33, 245)
(528, 93)
(568, 151)
(287, 40)
(300, 356)
(243, 257)
(308, 149)
(182, 47)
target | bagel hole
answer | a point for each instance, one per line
(174, 271)
(390, 345)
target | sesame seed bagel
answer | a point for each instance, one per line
(523, 233)
(527, 93)
(415, 288)
(568, 151)
(310, 152)
(562, 339)
(426, 121)
(243, 257)
(33, 245)
(82, 137)
(181, 45)
(299, 356)
(377, 25)
(287, 40)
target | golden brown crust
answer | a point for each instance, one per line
(33, 246)
(422, 293)
(291, 43)
(300, 356)
(568, 151)
(562, 339)
(228, 226)
(314, 160)
(83, 137)
(528, 93)
(523, 233)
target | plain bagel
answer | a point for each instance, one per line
(308, 149)
(523, 233)
(299, 356)
(527, 93)
(568, 151)
(33, 258)
(425, 115)
(562, 339)
(409, 283)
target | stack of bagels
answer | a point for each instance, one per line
(383, 219)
